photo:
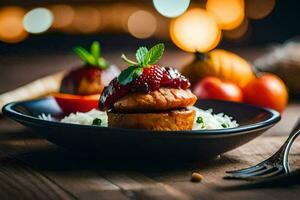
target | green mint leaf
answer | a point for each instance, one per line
(97, 122)
(102, 63)
(95, 50)
(130, 62)
(129, 74)
(92, 57)
(154, 54)
(137, 72)
(144, 58)
(140, 54)
(85, 55)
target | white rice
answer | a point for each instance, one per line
(204, 120)
(212, 121)
(86, 118)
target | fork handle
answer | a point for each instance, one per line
(297, 126)
(287, 150)
(283, 151)
(293, 134)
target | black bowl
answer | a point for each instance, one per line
(134, 143)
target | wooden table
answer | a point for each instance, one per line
(32, 168)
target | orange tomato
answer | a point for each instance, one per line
(76, 103)
(213, 88)
(267, 91)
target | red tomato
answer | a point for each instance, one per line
(75, 103)
(267, 91)
(213, 88)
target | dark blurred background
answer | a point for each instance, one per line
(82, 21)
(37, 36)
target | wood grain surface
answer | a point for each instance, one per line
(32, 168)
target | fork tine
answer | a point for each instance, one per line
(262, 172)
(268, 175)
(248, 169)
(257, 173)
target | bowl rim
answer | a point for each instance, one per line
(9, 111)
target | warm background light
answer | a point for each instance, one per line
(141, 24)
(140, 19)
(238, 32)
(63, 16)
(37, 20)
(87, 19)
(229, 14)
(171, 8)
(196, 30)
(115, 17)
(11, 27)
(257, 9)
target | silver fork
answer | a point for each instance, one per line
(275, 165)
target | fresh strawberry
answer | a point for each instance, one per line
(149, 80)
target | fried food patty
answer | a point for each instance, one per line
(163, 99)
(174, 120)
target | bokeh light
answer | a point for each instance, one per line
(63, 15)
(115, 17)
(141, 24)
(171, 8)
(238, 32)
(257, 9)
(196, 30)
(11, 27)
(229, 14)
(87, 19)
(38, 20)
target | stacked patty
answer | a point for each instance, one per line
(148, 96)
(163, 109)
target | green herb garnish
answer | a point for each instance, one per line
(92, 57)
(97, 122)
(144, 58)
(130, 74)
(225, 125)
(200, 122)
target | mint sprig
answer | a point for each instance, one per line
(128, 61)
(140, 55)
(92, 57)
(144, 58)
(154, 54)
(130, 74)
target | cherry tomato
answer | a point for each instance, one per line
(75, 103)
(213, 88)
(268, 91)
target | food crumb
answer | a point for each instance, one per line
(196, 177)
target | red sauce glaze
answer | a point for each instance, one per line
(152, 79)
